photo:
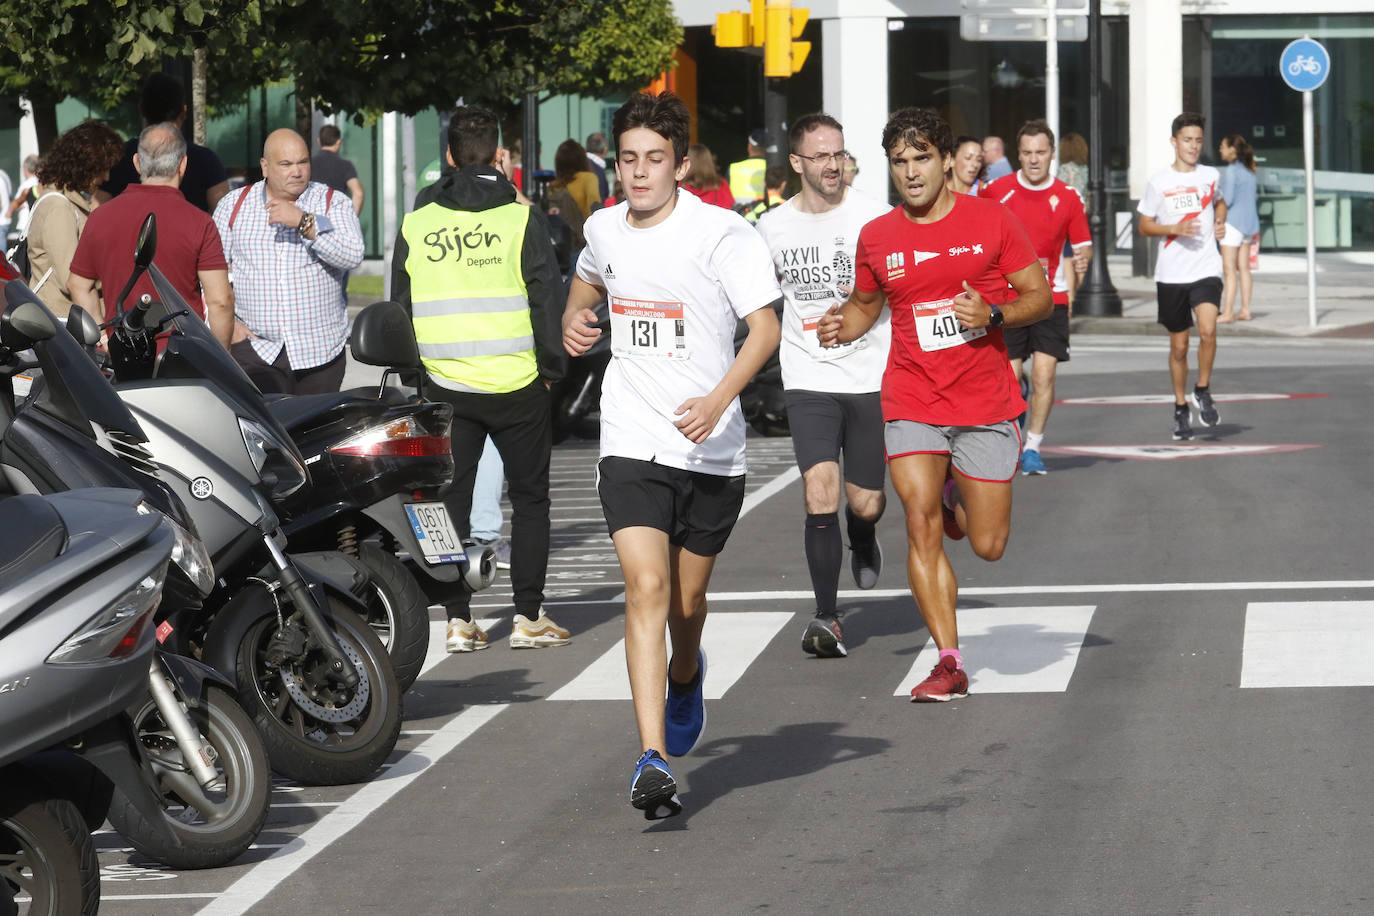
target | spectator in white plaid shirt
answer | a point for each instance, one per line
(290, 243)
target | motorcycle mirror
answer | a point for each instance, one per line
(83, 327)
(383, 336)
(147, 243)
(25, 323)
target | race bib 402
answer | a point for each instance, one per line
(938, 329)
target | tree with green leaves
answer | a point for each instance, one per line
(99, 50)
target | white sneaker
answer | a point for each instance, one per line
(538, 633)
(465, 636)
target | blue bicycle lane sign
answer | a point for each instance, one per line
(1304, 64)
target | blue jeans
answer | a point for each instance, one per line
(486, 494)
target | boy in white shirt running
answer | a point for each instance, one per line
(679, 275)
(1181, 206)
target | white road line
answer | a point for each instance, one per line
(1103, 589)
(732, 642)
(112, 898)
(1012, 649)
(1343, 629)
(755, 499)
(263, 878)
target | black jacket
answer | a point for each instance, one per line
(481, 187)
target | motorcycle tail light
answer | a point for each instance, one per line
(402, 439)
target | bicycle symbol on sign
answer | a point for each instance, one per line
(1305, 63)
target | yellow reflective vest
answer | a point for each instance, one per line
(468, 299)
(746, 180)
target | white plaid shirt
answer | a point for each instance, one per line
(290, 291)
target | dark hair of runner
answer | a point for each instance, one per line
(1245, 155)
(1188, 119)
(664, 114)
(920, 128)
(807, 123)
(330, 134)
(163, 99)
(1034, 127)
(473, 136)
(960, 140)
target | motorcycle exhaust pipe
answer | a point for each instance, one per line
(294, 585)
(195, 750)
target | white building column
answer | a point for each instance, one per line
(1156, 48)
(854, 92)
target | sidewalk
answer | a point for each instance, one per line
(1345, 299)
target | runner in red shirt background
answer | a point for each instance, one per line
(942, 262)
(1051, 213)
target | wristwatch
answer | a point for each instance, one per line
(995, 317)
(307, 223)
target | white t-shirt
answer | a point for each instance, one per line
(813, 254)
(676, 292)
(1172, 197)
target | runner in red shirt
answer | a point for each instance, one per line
(1052, 214)
(942, 261)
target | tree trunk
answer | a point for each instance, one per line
(198, 68)
(304, 110)
(44, 122)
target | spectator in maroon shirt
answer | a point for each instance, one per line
(189, 251)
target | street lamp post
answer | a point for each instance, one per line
(1096, 295)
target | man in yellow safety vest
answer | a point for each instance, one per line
(479, 274)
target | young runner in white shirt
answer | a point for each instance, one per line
(1183, 208)
(679, 274)
(833, 394)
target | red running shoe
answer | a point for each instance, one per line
(952, 529)
(947, 681)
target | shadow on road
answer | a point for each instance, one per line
(743, 761)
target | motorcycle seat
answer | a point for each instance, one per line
(297, 411)
(31, 534)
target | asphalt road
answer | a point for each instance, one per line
(1169, 712)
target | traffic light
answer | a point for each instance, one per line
(732, 30)
(783, 55)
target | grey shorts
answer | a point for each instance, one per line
(989, 453)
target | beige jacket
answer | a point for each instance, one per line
(53, 232)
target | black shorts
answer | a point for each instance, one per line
(1049, 336)
(698, 511)
(1177, 301)
(824, 424)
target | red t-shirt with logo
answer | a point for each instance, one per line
(938, 372)
(1051, 215)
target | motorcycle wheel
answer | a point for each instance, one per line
(215, 825)
(316, 732)
(397, 611)
(47, 858)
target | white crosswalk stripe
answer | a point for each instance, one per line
(1274, 631)
(1013, 649)
(731, 640)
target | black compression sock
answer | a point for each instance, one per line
(860, 531)
(824, 553)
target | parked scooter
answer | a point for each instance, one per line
(317, 683)
(83, 574)
(378, 463)
(311, 673)
(187, 721)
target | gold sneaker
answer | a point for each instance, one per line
(536, 634)
(465, 636)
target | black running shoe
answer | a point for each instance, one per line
(1203, 405)
(824, 638)
(653, 789)
(866, 563)
(1182, 428)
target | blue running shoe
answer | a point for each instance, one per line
(686, 711)
(1031, 463)
(653, 789)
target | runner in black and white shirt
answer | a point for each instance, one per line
(679, 275)
(834, 400)
(1181, 206)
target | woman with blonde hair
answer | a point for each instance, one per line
(1240, 190)
(70, 172)
(704, 181)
